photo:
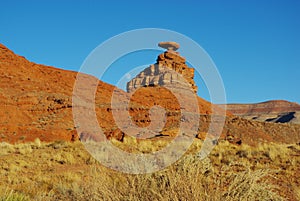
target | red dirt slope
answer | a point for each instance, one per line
(36, 101)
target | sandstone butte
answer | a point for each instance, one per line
(170, 70)
(36, 102)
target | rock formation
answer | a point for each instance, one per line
(170, 70)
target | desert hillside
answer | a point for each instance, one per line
(36, 102)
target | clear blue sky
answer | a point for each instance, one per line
(254, 44)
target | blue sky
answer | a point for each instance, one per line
(254, 44)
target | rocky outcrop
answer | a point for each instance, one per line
(170, 70)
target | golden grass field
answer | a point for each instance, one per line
(66, 171)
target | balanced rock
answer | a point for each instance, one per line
(170, 69)
(170, 45)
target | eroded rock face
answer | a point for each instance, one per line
(170, 70)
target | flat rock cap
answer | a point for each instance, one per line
(169, 45)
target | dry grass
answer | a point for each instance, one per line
(66, 171)
(13, 196)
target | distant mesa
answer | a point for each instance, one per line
(170, 45)
(170, 69)
(277, 111)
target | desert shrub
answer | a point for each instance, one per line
(6, 148)
(37, 142)
(23, 148)
(58, 144)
